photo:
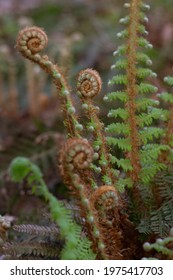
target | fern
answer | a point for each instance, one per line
(134, 141)
(16, 250)
(161, 245)
(37, 230)
(135, 120)
(21, 168)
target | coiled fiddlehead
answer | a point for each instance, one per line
(30, 42)
(106, 205)
(88, 86)
(89, 83)
(105, 199)
(76, 156)
(75, 160)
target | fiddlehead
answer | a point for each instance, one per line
(89, 83)
(106, 205)
(105, 199)
(88, 86)
(30, 42)
(76, 157)
(75, 161)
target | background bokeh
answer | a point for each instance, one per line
(82, 33)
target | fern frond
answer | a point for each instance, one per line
(144, 43)
(121, 64)
(112, 96)
(167, 97)
(122, 163)
(69, 230)
(118, 113)
(169, 80)
(150, 170)
(37, 230)
(161, 246)
(150, 133)
(121, 143)
(158, 223)
(123, 34)
(123, 183)
(145, 88)
(118, 80)
(28, 248)
(143, 58)
(143, 73)
(121, 50)
(118, 128)
(144, 103)
(145, 119)
(151, 152)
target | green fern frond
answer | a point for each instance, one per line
(120, 112)
(167, 97)
(143, 58)
(144, 226)
(121, 64)
(161, 246)
(143, 73)
(145, 119)
(123, 34)
(151, 152)
(123, 163)
(142, 29)
(121, 50)
(123, 183)
(112, 96)
(145, 88)
(150, 133)
(118, 128)
(144, 103)
(69, 230)
(118, 80)
(144, 43)
(158, 224)
(121, 143)
(150, 170)
(169, 80)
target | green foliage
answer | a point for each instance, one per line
(147, 112)
(75, 246)
(158, 219)
(161, 245)
(135, 142)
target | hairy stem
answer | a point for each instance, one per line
(132, 88)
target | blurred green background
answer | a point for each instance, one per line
(82, 33)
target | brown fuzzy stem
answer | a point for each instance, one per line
(75, 160)
(88, 86)
(132, 88)
(30, 42)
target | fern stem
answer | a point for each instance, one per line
(132, 88)
(76, 158)
(30, 42)
(89, 85)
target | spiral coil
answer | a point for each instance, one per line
(31, 41)
(105, 199)
(76, 155)
(89, 83)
